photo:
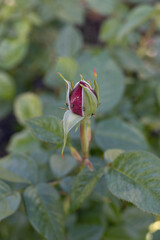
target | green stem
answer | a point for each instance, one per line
(85, 134)
(84, 142)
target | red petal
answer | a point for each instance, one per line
(76, 100)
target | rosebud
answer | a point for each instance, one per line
(82, 101)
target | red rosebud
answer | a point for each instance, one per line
(76, 101)
(82, 100)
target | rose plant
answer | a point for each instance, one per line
(122, 173)
(106, 184)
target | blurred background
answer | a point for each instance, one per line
(38, 38)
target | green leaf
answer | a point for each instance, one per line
(114, 133)
(128, 59)
(7, 87)
(26, 5)
(66, 183)
(103, 6)
(132, 226)
(62, 166)
(27, 105)
(51, 105)
(20, 168)
(135, 177)
(46, 10)
(23, 142)
(67, 66)
(69, 121)
(41, 156)
(136, 224)
(100, 193)
(45, 211)
(111, 154)
(9, 200)
(83, 185)
(137, 16)
(12, 52)
(47, 128)
(23, 28)
(70, 11)
(110, 79)
(109, 30)
(86, 232)
(69, 42)
(118, 232)
(9, 176)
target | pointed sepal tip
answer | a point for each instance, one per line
(81, 77)
(96, 89)
(61, 75)
(95, 73)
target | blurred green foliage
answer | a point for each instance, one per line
(38, 38)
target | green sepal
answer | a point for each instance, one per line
(69, 88)
(89, 101)
(69, 121)
(96, 89)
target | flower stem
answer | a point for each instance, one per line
(84, 143)
(85, 139)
